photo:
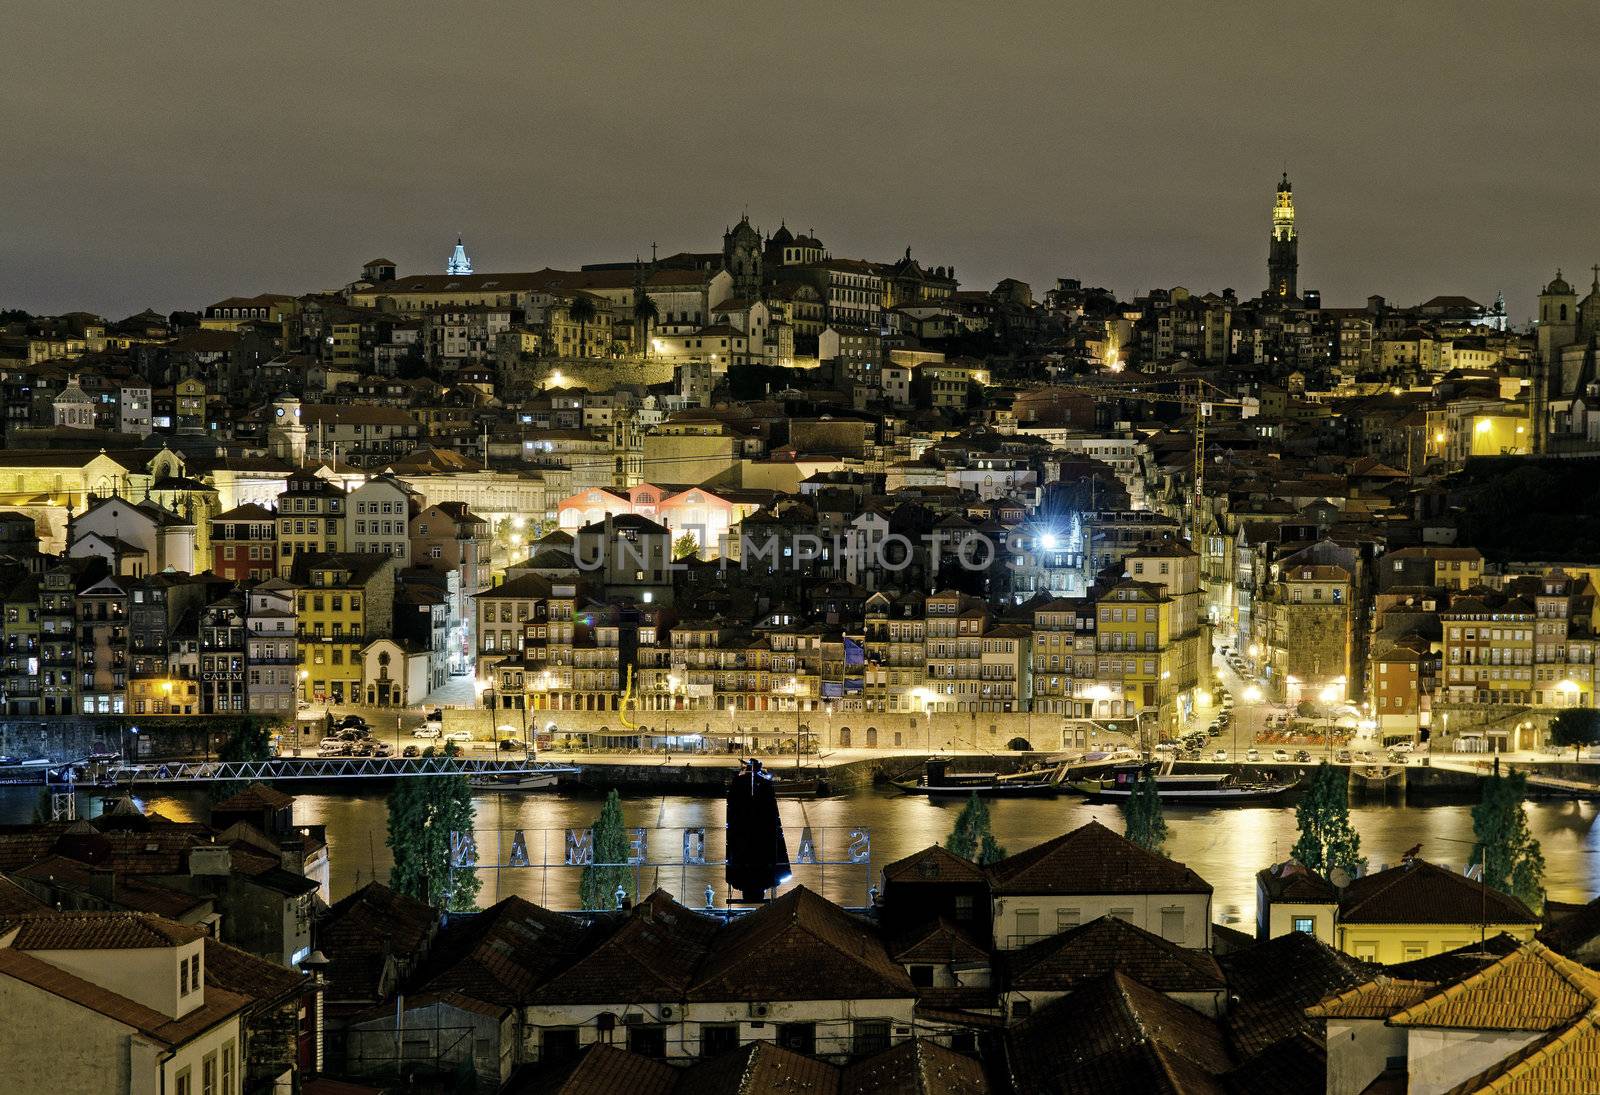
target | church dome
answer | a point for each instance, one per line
(1558, 287)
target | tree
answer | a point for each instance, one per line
(1577, 727)
(582, 312)
(645, 313)
(248, 740)
(1327, 841)
(972, 838)
(597, 889)
(685, 546)
(1145, 825)
(1512, 861)
(423, 812)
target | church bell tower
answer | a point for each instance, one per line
(1283, 256)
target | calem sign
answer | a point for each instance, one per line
(650, 847)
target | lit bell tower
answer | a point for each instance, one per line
(1283, 255)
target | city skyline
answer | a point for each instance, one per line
(196, 170)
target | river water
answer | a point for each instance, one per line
(1226, 846)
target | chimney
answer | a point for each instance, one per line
(210, 859)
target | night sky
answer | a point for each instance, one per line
(169, 155)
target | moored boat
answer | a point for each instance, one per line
(1189, 788)
(517, 781)
(938, 781)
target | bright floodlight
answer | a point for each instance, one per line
(1049, 541)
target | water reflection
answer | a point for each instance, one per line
(1226, 847)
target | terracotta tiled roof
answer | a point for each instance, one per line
(1116, 1036)
(1275, 981)
(499, 955)
(1092, 860)
(917, 1066)
(1297, 1065)
(1377, 999)
(1578, 928)
(604, 1070)
(220, 1004)
(72, 931)
(241, 972)
(1063, 962)
(257, 796)
(16, 901)
(363, 930)
(1291, 883)
(933, 864)
(757, 1068)
(1455, 964)
(799, 947)
(1419, 892)
(1568, 1060)
(938, 943)
(1532, 989)
(653, 952)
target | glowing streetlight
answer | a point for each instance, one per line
(1048, 541)
(1255, 650)
(1569, 689)
(1252, 694)
(1329, 694)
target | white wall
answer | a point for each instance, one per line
(1438, 1060)
(1358, 1050)
(1141, 910)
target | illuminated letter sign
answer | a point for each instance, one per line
(519, 851)
(807, 852)
(636, 848)
(580, 847)
(463, 850)
(694, 846)
(860, 849)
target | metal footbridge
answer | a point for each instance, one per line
(305, 768)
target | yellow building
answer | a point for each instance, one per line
(312, 519)
(1134, 658)
(1419, 909)
(163, 696)
(345, 601)
(1415, 910)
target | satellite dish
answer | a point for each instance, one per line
(1339, 877)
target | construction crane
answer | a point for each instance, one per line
(1197, 393)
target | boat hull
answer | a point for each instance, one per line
(1191, 796)
(533, 781)
(982, 790)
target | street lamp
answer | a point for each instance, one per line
(1251, 694)
(1569, 689)
(1329, 696)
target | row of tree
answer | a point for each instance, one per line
(1505, 849)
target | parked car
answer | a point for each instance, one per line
(1281, 756)
(332, 747)
(1343, 757)
(352, 722)
(1220, 755)
(1400, 747)
(458, 735)
(1253, 755)
(1302, 756)
(427, 730)
(509, 744)
(411, 751)
(1397, 757)
(1214, 731)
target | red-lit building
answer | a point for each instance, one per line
(244, 543)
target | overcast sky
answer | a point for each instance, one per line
(168, 155)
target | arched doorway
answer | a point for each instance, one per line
(872, 737)
(844, 737)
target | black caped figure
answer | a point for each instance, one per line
(758, 858)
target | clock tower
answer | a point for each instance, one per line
(286, 433)
(1283, 255)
